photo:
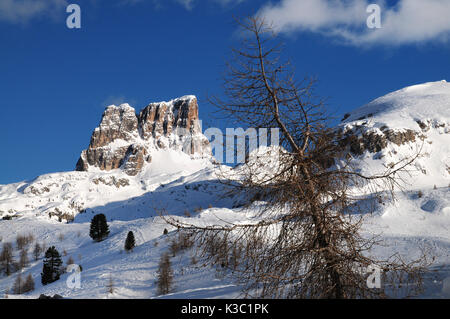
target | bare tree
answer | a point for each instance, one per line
(23, 286)
(29, 283)
(23, 260)
(165, 275)
(37, 251)
(304, 243)
(22, 241)
(7, 260)
(110, 285)
(18, 285)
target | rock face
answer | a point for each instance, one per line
(360, 141)
(407, 123)
(126, 140)
(405, 116)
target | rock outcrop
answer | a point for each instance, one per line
(410, 123)
(126, 140)
(360, 141)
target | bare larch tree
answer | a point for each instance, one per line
(306, 243)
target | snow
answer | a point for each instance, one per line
(402, 110)
(403, 107)
(177, 183)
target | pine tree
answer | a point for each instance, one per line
(51, 269)
(99, 229)
(130, 242)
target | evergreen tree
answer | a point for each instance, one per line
(99, 228)
(130, 242)
(51, 269)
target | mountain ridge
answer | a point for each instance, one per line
(57, 208)
(127, 140)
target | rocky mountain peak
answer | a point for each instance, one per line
(126, 140)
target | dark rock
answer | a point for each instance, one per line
(375, 142)
(56, 296)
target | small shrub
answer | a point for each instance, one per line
(70, 261)
(198, 209)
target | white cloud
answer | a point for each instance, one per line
(409, 21)
(21, 11)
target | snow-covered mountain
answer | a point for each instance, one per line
(126, 140)
(410, 121)
(138, 164)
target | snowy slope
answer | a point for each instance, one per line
(402, 108)
(190, 189)
(185, 189)
(421, 112)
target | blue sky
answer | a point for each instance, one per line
(55, 81)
